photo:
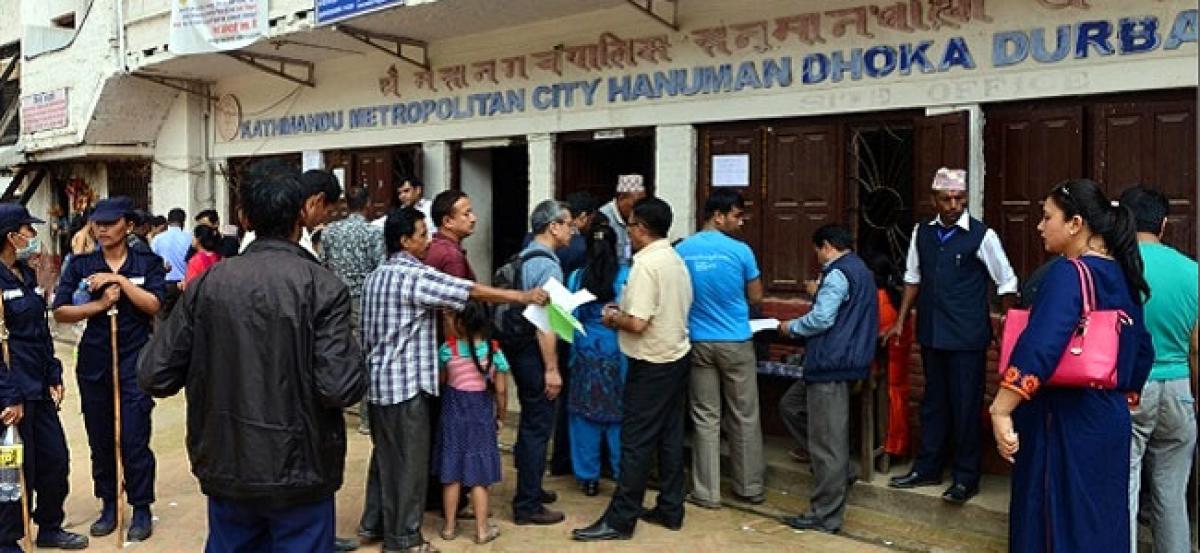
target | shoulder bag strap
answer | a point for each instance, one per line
(1087, 287)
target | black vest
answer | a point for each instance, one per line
(952, 306)
(845, 351)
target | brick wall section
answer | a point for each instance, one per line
(786, 308)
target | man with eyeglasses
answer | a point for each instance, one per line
(535, 368)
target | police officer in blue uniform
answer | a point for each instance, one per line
(132, 280)
(34, 382)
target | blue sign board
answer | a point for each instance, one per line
(329, 11)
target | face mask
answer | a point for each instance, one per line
(31, 247)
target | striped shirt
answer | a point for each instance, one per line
(399, 313)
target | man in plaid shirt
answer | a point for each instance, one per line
(400, 306)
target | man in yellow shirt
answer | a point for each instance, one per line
(652, 321)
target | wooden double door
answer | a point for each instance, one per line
(381, 171)
(870, 173)
(1118, 141)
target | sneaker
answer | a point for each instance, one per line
(61, 539)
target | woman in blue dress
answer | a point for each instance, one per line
(1070, 446)
(597, 366)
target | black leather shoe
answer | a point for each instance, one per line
(912, 480)
(808, 522)
(61, 539)
(142, 525)
(345, 544)
(544, 518)
(591, 488)
(657, 518)
(367, 537)
(960, 493)
(600, 531)
(549, 497)
(107, 522)
(751, 499)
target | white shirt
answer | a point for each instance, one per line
(426, 209)
(305, 241)
(990, 252)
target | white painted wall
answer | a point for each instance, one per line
(542, 169)
(180, 176)
(675, 175)
(476, 180)
(435, 167)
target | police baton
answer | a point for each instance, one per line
(116, 381)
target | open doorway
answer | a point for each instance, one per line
(591, 161)
(496, 177)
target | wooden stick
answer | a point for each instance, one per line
(25, 509)
(116, 379)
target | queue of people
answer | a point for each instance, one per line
(390, 317)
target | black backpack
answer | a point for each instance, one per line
(512, 329)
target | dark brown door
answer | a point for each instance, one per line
(373, 171)
(1152, 144)
(941, 142)
(739, 140)
(804, 189)
(1028, 150)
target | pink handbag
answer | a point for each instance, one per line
(1090, 360)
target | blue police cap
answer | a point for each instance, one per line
(14, 215)
(110, 210)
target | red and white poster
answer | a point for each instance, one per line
(44, 111)
(199, 26)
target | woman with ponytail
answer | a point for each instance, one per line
(1070, 446)
(597, 365)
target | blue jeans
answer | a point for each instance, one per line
(533, 433)
(235, 527)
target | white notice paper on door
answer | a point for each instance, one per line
(731, 170)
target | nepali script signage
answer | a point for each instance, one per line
(445, 92)
(329, 11)
(200, 26)
(44, 111)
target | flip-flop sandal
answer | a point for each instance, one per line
(449, 536)
(493, 533)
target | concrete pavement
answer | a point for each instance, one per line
(181, 514)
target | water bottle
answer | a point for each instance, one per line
(11, 458)
(81, 295)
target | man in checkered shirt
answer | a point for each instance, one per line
(400, 305)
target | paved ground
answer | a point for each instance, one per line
(181, 516)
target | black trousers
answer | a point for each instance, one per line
(98, 418)
(46, 465)
(951, 414)
(560, 459)
(399, 473)
(655, 404)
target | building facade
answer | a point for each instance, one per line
(837, 110)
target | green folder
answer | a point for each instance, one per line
(563, 323)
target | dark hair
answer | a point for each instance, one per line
(1150, 208)
(654, 214)
(579, 203)
(601, 266)
(176, 217)
(208, 237)
(400, 223)
(320, 181)
(158, 221)
(1084, 198)
(272, 200)
(476, 320)
(210, 214)
(722, 200)
(358, 199)
(413, 182)
(836, 235)
(443, 205)
(886, 276)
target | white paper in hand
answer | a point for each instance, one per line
(560, 296)
(759, 325)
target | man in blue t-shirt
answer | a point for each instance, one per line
(725, 281)
(1164, 422)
